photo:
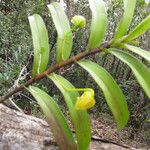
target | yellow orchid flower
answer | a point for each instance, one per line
(86, 101)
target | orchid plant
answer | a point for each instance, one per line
(78, 104)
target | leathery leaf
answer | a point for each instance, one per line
(55, 119)
(113, 94)
(98, 24)
(141, 72)
(40, 43)
(64, 34)
(80, 118)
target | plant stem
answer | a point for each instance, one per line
(53, 68)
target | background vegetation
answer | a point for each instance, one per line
(16, 56)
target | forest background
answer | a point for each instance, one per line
(16, 57)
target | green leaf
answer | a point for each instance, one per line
(40, 43)
(98, 24)
(64, 40)
(80, 118)
(113, 94)
(124, 24)
(139, 51)
(140, 71)
(55, 119)
(138, 30)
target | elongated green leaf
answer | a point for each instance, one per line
(113, 94)
(64, 40)
(40, 43)
(123, 26)
(55, 119)
(99, 23)
(138, 30)
(80, 118)
(140, 71)
(139, 51)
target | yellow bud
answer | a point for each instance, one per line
(79, 21)
(86, 100)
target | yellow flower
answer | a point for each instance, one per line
(86, 100)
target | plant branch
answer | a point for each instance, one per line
(53, 68)
(69, 8)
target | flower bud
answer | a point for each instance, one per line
(79, 21)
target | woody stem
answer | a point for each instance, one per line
(53, 68)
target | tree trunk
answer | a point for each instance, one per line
(23, 132)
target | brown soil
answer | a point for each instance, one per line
(106, 129)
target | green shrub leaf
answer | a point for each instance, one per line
(138, 30)
(80, 118)
(98, 24)
(64, 40)
(139, 51)
(124, 24)
(55, 119)
(113, 94)
(140, 71)
(40, 43)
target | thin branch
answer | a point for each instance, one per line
(69, 8)
(96, 138)
(17, 108)
(53, 69)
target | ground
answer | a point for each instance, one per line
(106, 129)
(20, 131)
